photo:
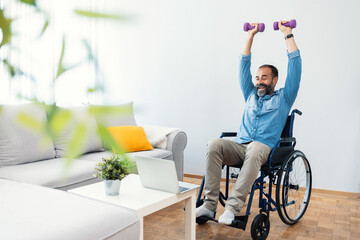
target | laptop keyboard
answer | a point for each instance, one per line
(183, 189)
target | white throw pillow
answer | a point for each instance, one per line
(157, 135)
(24, 141)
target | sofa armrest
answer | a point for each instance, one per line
(176, 143)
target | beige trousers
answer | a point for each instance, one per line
(250, 155)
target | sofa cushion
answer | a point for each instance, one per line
(25, 141)
(34, 212)
(50, 173)
(80, 117)
(96, 156)
(117, 115)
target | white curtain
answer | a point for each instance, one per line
(37, 55)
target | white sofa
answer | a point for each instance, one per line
(29, 158)
(34, 213)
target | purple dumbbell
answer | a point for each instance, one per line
(291, 24)
(248, 27)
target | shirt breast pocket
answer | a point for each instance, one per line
(272, 104)
(251, 103)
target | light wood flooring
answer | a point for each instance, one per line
(330, 215)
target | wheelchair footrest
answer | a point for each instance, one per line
(239, 222)
(204, 219)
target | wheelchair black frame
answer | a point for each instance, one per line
(265, 206)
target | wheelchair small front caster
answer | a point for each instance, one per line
(260, 227)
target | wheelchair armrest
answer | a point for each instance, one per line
(228, 134)
(287, 140)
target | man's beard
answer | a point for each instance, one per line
(263, 92)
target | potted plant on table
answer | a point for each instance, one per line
(113, 169)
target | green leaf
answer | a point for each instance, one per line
(30, 2)
(91, 14)
(105, 111)
(14, 70)
(46, 24)
(30, 122)
(95, 89)
(29, 99)
(59, 120)
(91, 55)
(10, 68)
(109, 141)
(61, 69)
(88, 48)
(5, 25)
(77, 141)
(92, 58)
(35, 125)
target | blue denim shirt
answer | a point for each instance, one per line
(264, 117)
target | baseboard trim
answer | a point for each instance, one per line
(197, 176)
(348, 195)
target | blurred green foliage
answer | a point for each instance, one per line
(61, 68)
(5, 25)
(92, 14)
(30, 2)
(58, 118)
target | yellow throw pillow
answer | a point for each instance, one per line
(130, 138)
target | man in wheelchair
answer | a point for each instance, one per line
(264, 117)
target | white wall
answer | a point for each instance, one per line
(178, 61)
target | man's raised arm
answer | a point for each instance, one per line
(293, 77)
(246, 83)
(290, 41)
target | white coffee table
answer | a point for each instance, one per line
(145, 201)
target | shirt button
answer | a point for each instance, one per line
(254, 129)
(257, 117)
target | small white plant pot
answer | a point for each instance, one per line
(112, 187)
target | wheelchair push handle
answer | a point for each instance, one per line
(297, 111)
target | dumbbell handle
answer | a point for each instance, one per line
(248, 27)
(291, 24)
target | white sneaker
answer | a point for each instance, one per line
(202, 211)
(226, 218)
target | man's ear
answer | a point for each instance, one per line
(275, 79)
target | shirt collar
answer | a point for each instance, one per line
(266, 97)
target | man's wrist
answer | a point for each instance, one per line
(289, 36)
(287, 33)
(251, 37)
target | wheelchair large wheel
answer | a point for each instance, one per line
(293, 188)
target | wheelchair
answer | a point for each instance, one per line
(289, 170)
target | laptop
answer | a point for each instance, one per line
(160, 174)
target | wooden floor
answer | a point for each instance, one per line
(330, 215)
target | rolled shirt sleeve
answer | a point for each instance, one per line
(293, 77)
(245, 76)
